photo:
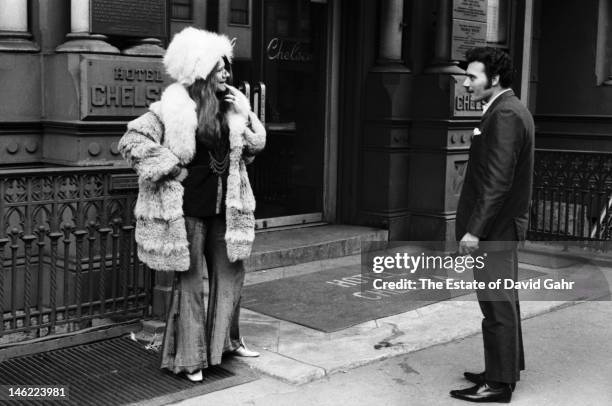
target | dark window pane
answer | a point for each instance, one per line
(181, 9)
(239, 12)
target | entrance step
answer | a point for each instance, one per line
(300, 245)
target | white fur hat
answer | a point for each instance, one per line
(194, 53)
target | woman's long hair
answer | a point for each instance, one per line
(212, 123)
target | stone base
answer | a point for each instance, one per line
(146, 47)
(445, 68)
(161, 301)
(14, 41)
(80, 143)
(85, 43)
(430, 227)
(20, 143)
(390, 66)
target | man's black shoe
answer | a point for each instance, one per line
(479, 379)
(484, 393)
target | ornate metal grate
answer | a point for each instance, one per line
(67, 252)
(572, 196)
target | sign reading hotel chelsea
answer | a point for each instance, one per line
(118, 87)
(463, 105)
(131, 18)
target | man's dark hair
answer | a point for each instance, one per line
(496, 62)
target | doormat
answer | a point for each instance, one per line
(118, 371)
(333, 300)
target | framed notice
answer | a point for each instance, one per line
(467, 35)
(470, 10)
(130, 18)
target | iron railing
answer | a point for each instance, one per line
(67, 252)
(572, 196)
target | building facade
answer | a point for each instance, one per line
(367, 122)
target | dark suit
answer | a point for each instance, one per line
(494, 206)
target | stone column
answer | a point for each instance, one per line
(443, 120)
(80, 39)
(14, 34)
(391, 30)
(442, 62)
(386, 122)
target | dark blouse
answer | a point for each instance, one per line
(201, 184)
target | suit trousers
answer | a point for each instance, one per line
(501, 326)
(203, 317)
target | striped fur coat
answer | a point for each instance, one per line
(158, 141)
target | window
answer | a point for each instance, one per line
(182, 9)
(498, 17)
(239, 12)
(603, 56)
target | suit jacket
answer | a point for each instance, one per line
(496, 194)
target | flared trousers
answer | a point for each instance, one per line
(202, 321)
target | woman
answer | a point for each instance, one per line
(195, 200)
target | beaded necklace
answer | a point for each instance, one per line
(218, 168)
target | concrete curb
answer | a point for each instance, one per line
(302, 358)
(284, 368)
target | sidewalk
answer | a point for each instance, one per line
(297, 355)
(568, 355)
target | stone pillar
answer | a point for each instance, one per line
(443, 121)
(14, 34)
(387, 125)
(80, 39)
(391, 30)
(442, 62)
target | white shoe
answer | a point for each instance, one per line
(196, 376)
(243, 351)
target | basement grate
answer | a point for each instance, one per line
(117, 371)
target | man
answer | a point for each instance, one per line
(492, 215)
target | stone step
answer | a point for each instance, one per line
(284, 248)
(266, 275)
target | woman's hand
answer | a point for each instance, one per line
(176, 173)
(238, 101)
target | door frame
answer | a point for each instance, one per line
(332, 113)
(330, 121)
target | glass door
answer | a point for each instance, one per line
(289, 58)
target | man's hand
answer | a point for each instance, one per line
(468, 244)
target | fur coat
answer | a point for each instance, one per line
(158, 141)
